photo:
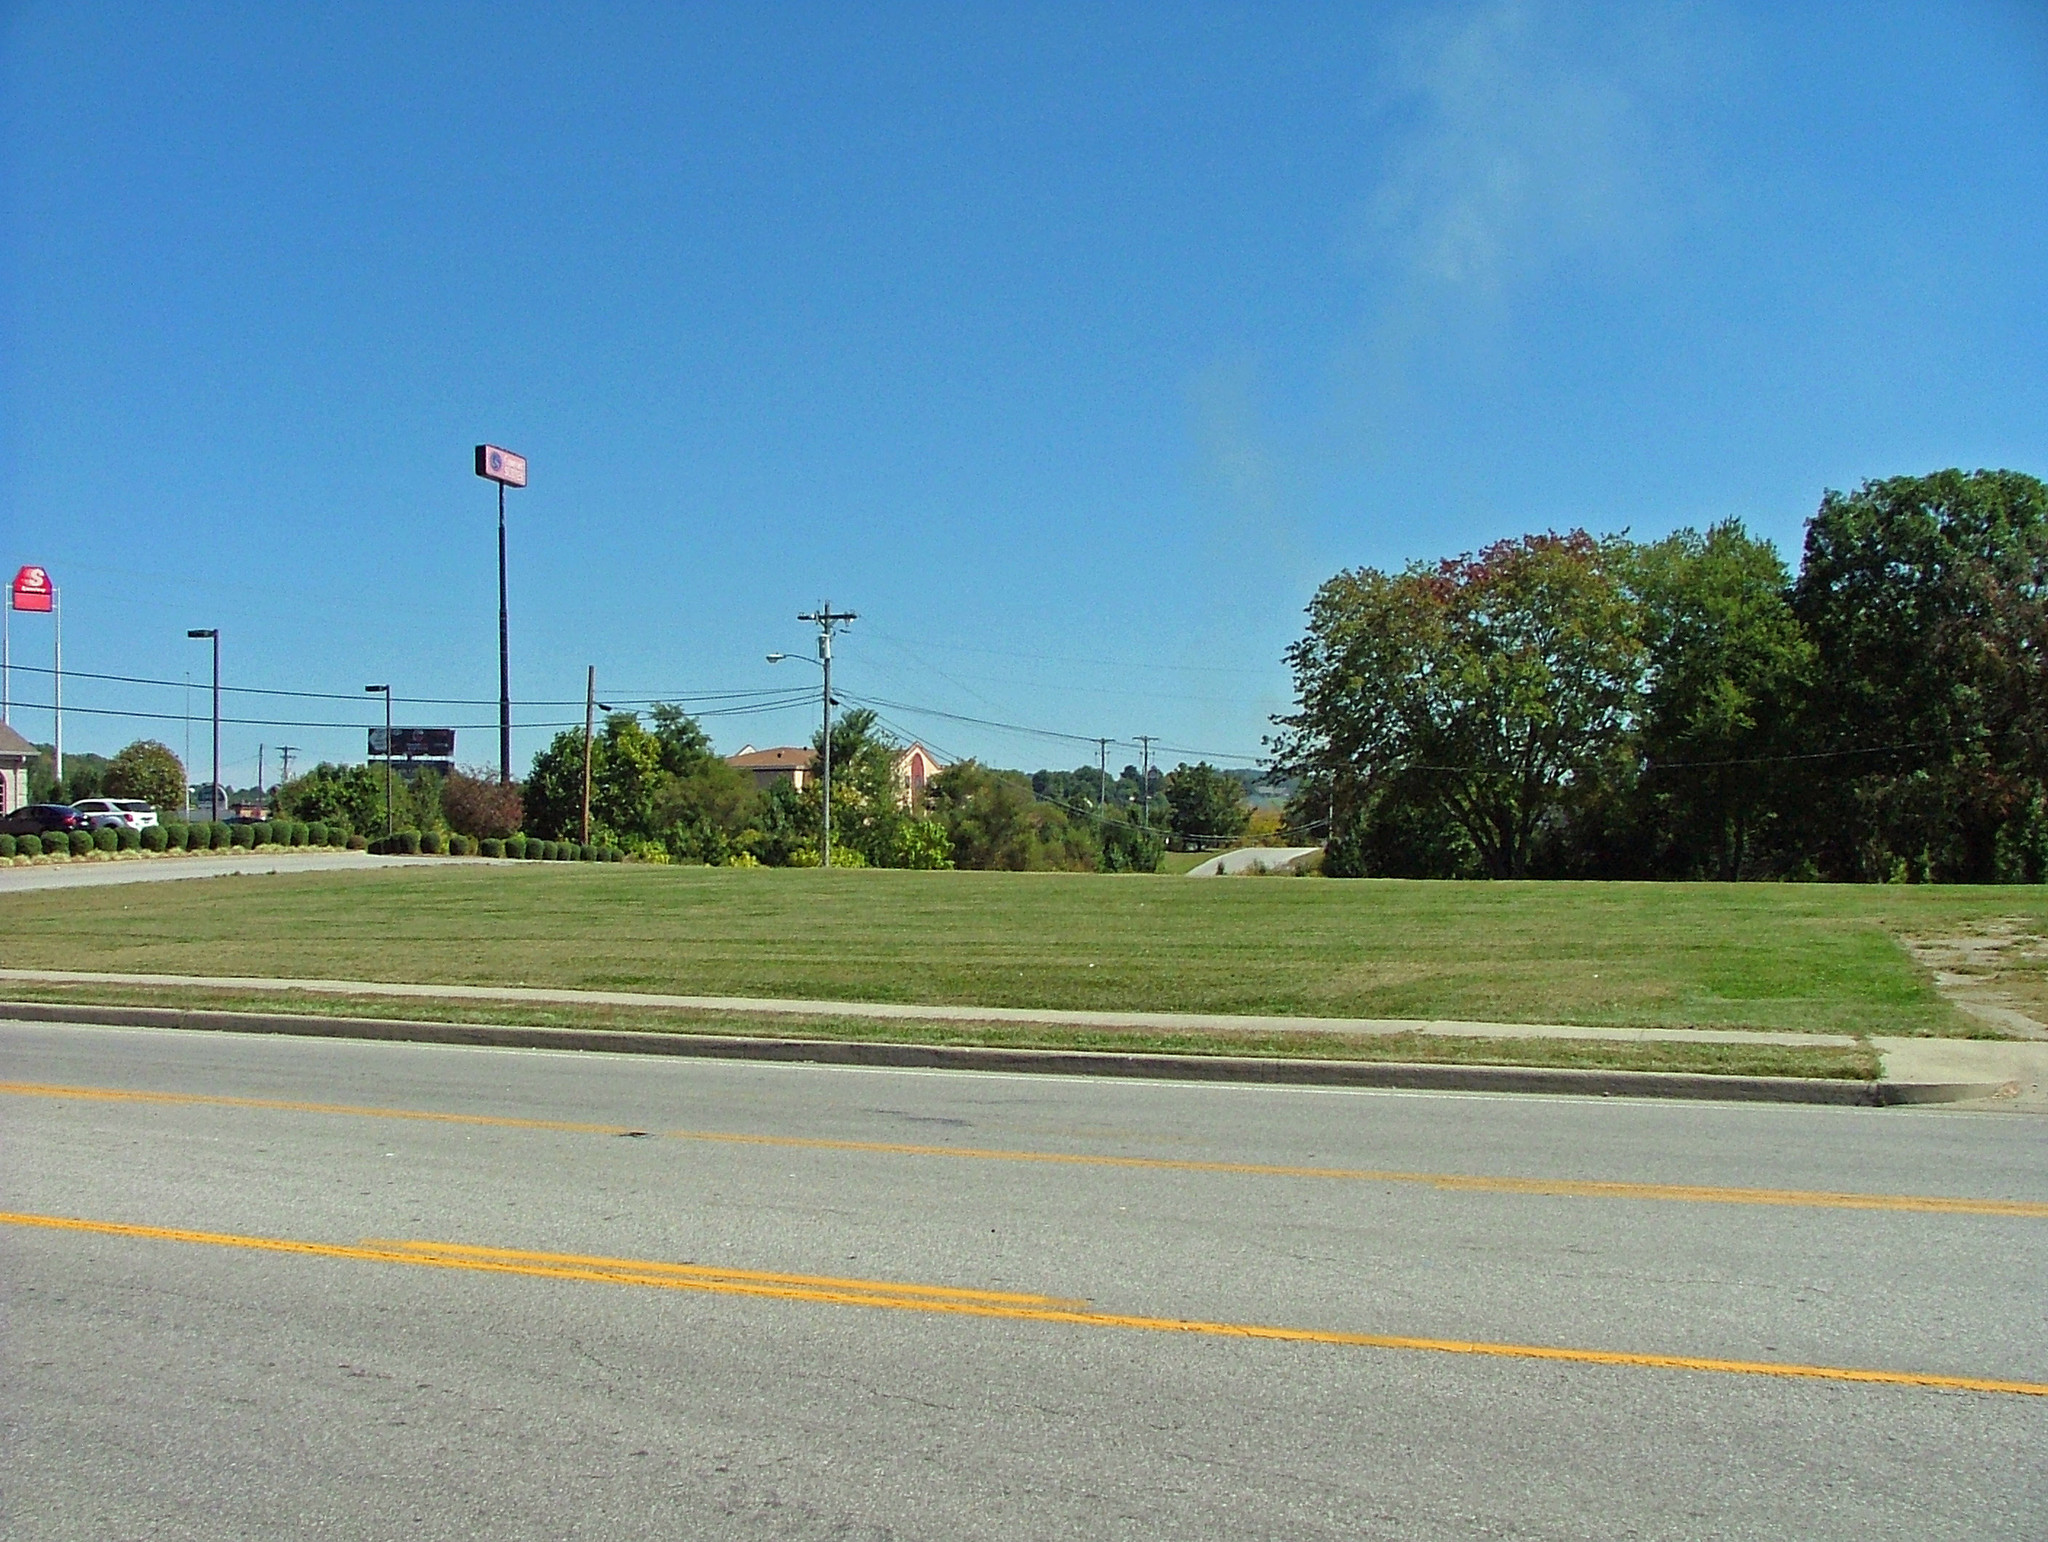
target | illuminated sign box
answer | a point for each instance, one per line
(500, 466)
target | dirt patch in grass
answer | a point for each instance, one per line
(1995, 971)
(1857, 1063)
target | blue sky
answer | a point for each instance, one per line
(1072, 350)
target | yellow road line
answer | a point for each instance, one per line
(960, 1302)
(1477, 1183)
(712, 1271)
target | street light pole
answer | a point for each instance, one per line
(385, 692)
(213, 787)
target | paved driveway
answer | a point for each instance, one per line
(86, 874)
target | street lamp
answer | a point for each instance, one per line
(213, 787)
(824, 662)
(385, 692)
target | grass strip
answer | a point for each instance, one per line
(1857, 1063)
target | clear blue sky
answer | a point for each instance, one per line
(1071, 349)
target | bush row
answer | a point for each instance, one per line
(415, 842)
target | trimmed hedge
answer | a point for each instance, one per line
(82, 843)
(28, 846)
(240, 838)
(6, 847)
(316, 835)
(429, 841)
(154, 838)
(491, 846)
(220, 835)
(263, 833)
(127, 839)
(515, 845)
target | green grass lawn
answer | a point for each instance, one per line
(1803, 957)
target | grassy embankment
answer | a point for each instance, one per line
(1783, 957)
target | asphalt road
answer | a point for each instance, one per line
(92, 875)
(932, 1305)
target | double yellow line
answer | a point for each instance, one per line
(1925, 1204)
(960, 1301)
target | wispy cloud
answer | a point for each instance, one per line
(1520, 136)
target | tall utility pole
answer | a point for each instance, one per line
(259, 773)
(507, 470)
(828, 620)
(589, 724)
(213, 787)
(284, 755)
(1102, 768)
(1145, 776)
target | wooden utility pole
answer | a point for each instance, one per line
(589, 725)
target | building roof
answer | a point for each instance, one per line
(782, 757)
(12, 743)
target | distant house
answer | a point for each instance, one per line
(785, 763)
(16, 756)
(914, 766)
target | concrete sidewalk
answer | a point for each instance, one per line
(2010, 1073)
(762, 1006)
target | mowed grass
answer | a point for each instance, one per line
(1791, 957)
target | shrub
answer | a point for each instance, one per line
(6, 848)
(28, 846)
(429, 841)
(547, 850)
(263, 833)
(515, 845)
(409, 842)
(491, 846)
(220, 835)
(84, 842)
(240, 837)
(302, 833)
(127, 839)
(357, 843)
(154, 838)
(316, 835)
(480, 806)
(586, 853)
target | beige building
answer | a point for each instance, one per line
(914, 766)
(16, 756)
(785, 763)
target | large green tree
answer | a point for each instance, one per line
(1498, 687)
(1729, 669)
(149, 771)
(1204, 803)
(1926, 600)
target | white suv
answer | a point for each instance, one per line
(103, 812)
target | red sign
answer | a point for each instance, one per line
(500, 465)
(32, 589)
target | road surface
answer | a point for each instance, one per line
(303, 1288)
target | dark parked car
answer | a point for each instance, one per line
(41, 819)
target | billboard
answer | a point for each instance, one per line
(33, 590)
(414, 744)
(501, 466)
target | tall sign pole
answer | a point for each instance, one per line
(33, 591)
(507, 470)
(829, 620)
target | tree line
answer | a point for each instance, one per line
(1580, 706)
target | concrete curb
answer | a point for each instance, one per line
(962, 1057)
